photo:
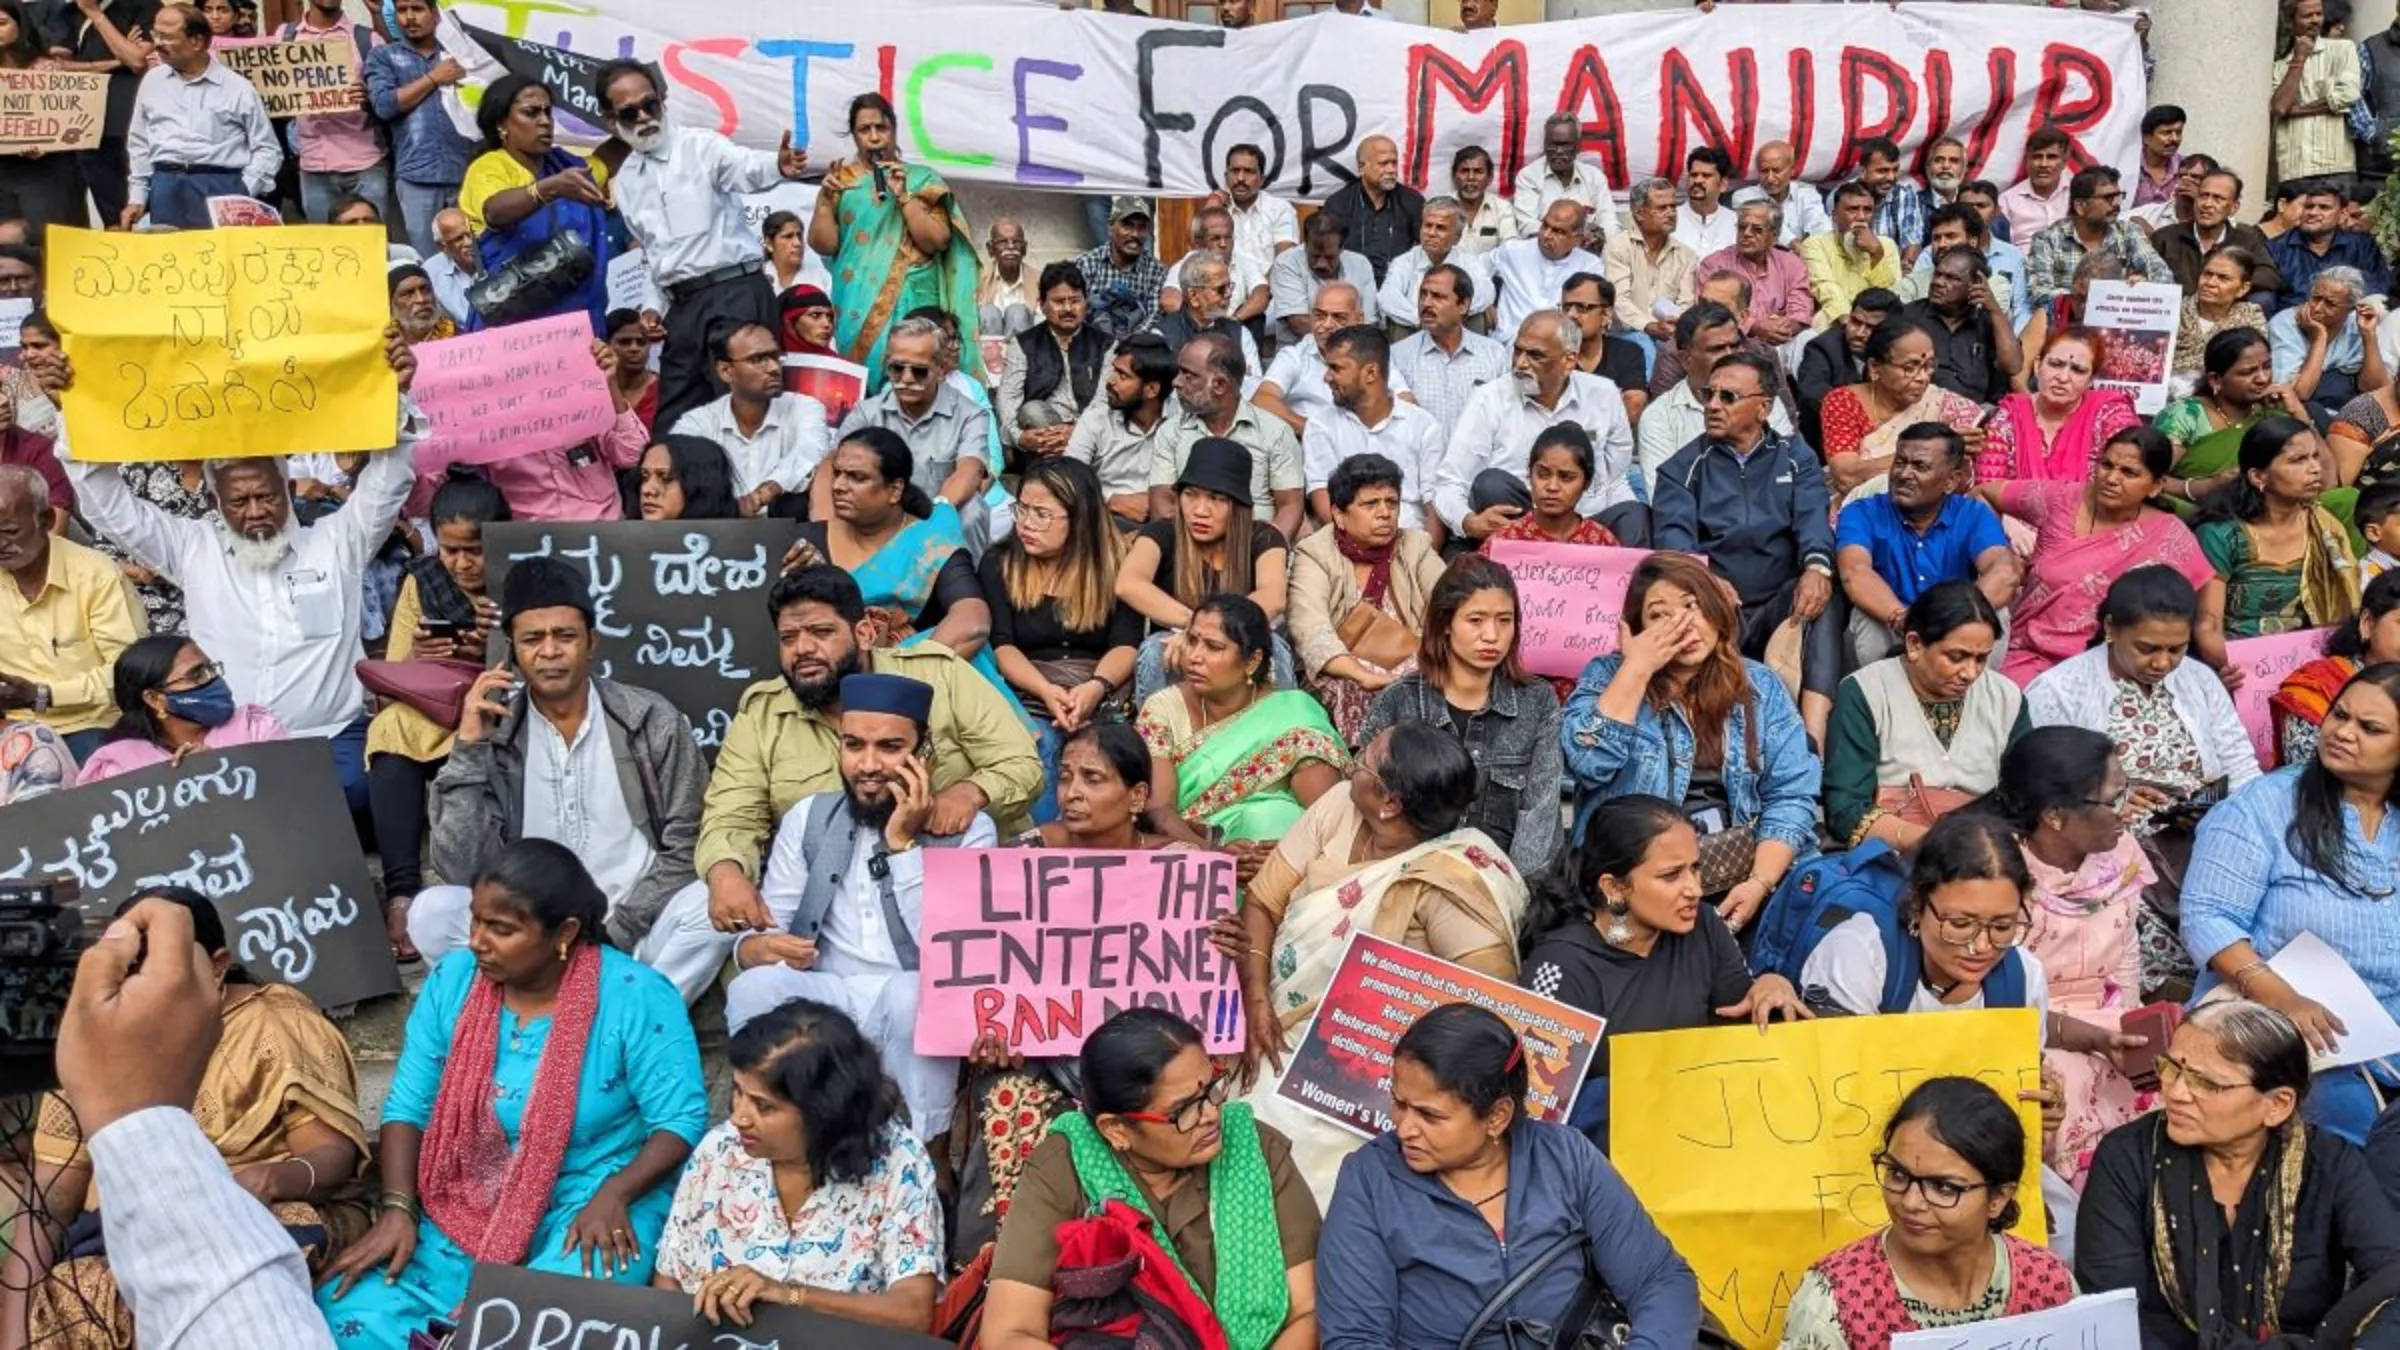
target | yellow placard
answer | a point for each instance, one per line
(224, 342)
(1754, 1152)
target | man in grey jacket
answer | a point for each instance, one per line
(546, 750)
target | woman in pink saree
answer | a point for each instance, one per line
(2053, 433)
(2086, 535)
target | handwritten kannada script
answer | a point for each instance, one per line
(184, 345)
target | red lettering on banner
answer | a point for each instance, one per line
(2000, 70)
(2072, 116)
(1937, 104)
(1587, 83)
(1860, 65)
(1501, 76)
(884, 57)
(1803, 65)
(1686, 103)
(729, 118)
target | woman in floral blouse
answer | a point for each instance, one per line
(809, 1195)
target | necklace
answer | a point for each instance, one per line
(1208, 719)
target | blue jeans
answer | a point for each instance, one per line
(319, 191)
(181, 199)
(1045, 807)
(419, 204)
(350, 764)
(2340, 1101)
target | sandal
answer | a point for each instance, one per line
(395, 923)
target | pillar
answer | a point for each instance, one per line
(2213, 60)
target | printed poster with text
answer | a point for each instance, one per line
(2265, 662)
(2137, 322)
(208, 342)
(1039, 946)
(1754, 1152)
(1342, 1069)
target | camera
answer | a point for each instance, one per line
(41, 939)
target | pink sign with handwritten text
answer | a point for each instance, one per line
(2264, 662)
(512, 391)
(1568, 598)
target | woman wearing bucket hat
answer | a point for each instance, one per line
(1211, 545)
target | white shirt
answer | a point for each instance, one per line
(1848, 964)
(791, 442)
(1441, 381)
(203, 1263)
(450, 283)
(1497, 429)
(1705, 234)
(813, 272)
(215, 118)
(2079, 691)
(1537, 188)
(1492, 225)
(683, 203)
(1409, 437)
(287, 634)
(854, 939)
(573, 797)
(1803, 210)
(1298, 373)
(1529, 281)
(1675, 419)
(1398, 296)
(1270, 221)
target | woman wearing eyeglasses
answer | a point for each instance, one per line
(1156, 1137)
(1464, 1197)
(2310, 849)
(2235, 1222)
(1863, 421)
(1952, 1156)
(172, 701)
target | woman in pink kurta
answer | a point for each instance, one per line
(2054, 432)
(2085, 536)
(171, 701)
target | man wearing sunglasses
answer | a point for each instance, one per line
(705, 260)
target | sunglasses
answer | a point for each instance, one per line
(906, 370)
(633, 113)
(1725, 398)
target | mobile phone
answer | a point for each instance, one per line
(439, 627)
(2155, 1023)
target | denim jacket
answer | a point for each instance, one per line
(1653, 754)
(1514, 742)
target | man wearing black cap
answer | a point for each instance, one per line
(845, 887)
(546, 750)
(1123, 276)
(785, 744)
(414, 307)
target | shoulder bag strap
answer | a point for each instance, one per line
(1517, 1283)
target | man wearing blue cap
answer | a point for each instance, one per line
(845, 886)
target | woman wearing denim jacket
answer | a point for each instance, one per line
(1678, 713)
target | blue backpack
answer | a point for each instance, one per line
(1817, 895)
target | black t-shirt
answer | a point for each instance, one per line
(89, 45)
(1264, 539)
(1040, 635)
(956, 581)
(1964, 361)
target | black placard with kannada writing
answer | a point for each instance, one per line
(512, 1308)
(260, 829)
(680, 606)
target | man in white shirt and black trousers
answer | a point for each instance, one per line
(680, 194)
(845, 885)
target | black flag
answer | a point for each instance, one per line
(567, 75)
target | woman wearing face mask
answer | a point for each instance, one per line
(1915, 735)
(2283, 562)
(2216, 305)
(2237, 390)
(813, 1193)
(1953, 1155)
(2306, 694)
(172, 701)
(2234, 1222)
(2053, 433)
(1465, 1196)
(895, 241)
(1620, 932)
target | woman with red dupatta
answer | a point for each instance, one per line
(547, 1094)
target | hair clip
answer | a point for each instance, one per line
(1516, 1052)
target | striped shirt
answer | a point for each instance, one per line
(1443, 381)
(2320, 142)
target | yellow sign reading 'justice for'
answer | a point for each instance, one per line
(1754, 1153)
(224, 342)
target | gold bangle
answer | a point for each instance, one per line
(2240, 979)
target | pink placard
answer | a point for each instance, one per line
(511, 391)
(1040, 946)
(2264, 662)
(1568, 598)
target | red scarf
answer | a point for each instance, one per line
(485, 1197)
(1378, 561)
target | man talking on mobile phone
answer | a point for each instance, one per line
(845, 885)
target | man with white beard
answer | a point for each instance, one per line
(275, 602)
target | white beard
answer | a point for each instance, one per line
(1529, 385)
(259, 555)
(651, 140)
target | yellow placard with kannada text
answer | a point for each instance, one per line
(201, 343)
(1754, 1153)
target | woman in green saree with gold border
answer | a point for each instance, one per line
(1240, 759)
(2237, 390)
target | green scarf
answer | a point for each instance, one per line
(1252, 1299)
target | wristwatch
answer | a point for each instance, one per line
(41, 698)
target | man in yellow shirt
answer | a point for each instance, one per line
(785, 744)
(1850, 257)
(63, 618)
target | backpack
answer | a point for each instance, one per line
(1116, 1288)
(1817, 895)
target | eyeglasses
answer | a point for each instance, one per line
(1725, 398)
(906, 369)
(1961, 930)
(2113, 805)
(1187, 1114)
(2172, 1071)
(1939, 1192)
(1039, 517)
(633, 113)
(1576, 308)
(204, 673)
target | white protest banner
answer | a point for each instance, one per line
(2137, 322)
(1078, 100)
(2095, 1319)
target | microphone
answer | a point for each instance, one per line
(875, 163)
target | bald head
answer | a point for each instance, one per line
(455, 237)
(1336, 307)
(1378, 164)
(1562, 229)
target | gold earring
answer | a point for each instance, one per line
(562, 952)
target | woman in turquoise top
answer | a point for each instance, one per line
(547, 1094)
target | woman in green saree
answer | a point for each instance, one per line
(1240, 759)
(2237, 390)
(896, 238)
